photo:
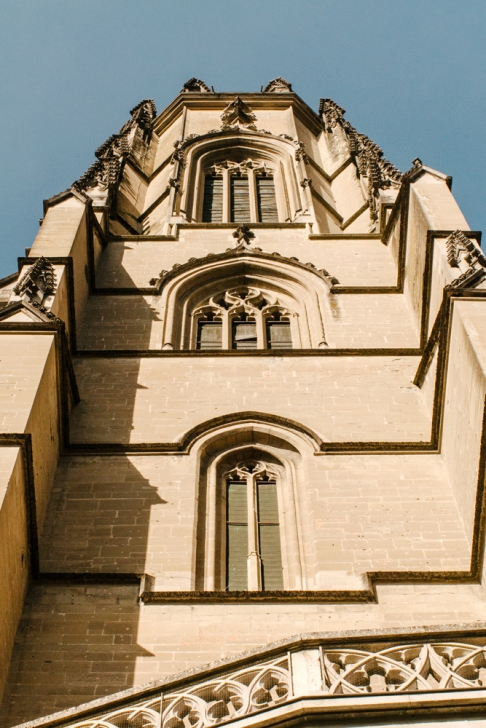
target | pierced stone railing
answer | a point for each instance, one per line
(407, 668)
(207, 704)
(307, 672)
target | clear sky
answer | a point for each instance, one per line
(410, 73)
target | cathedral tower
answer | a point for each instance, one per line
(243, 434)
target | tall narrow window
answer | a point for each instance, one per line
(213, 198)
(240, 199)
(209, 335)
(278, 333)
(244, 333)
(267, 201)
(237, 535)
(253, 551)
(269, 535)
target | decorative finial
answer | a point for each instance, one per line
(278, 86)
(238, 114)
(195, 85)
(243, 236)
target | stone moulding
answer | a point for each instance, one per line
(240, 251)
(306, 675)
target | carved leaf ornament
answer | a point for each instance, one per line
(111, 154)
(368, 157)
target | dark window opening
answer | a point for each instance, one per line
(236, 536)
(213, 198)
(278, 333)
(267, 201)
(240, 199)
(244, 334)
(209, 335)
(269, 535)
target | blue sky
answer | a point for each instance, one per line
(411, 75)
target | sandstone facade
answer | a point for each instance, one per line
(143, 379)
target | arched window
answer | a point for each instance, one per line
(243, 318)
(249, 510)
(253, 548)
(239, 192)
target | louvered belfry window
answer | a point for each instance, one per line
(209, 335)
(244, 334)
(213, 198)
(253, 551)
(278, 334)
(240, 199)
(267, 201)
(239, 192)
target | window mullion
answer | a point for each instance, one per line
(252, 190)
(211, 568)
(226, 195)
(226, 331)
(260, 327)
(254, 560)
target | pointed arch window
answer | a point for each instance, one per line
(243, 318)
(240, 192)
(253, 545)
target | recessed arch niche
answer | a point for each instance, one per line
(301, 292)
(276, 449)
(276, 154)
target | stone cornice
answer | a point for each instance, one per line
(219, 101)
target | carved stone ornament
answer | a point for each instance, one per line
(461, 249)
(331, 114)
(300, 153)
(105, 172)
(256, 468)
(405, 668)
(348, 672)
(238, 114)
(368, 157)
(243, 235)
(195, 85)
(278, 86)
(209, 703)
(239, 249)
(38, 281)
(178, 153)
(248, 300)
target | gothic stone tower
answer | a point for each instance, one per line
(243, 436)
